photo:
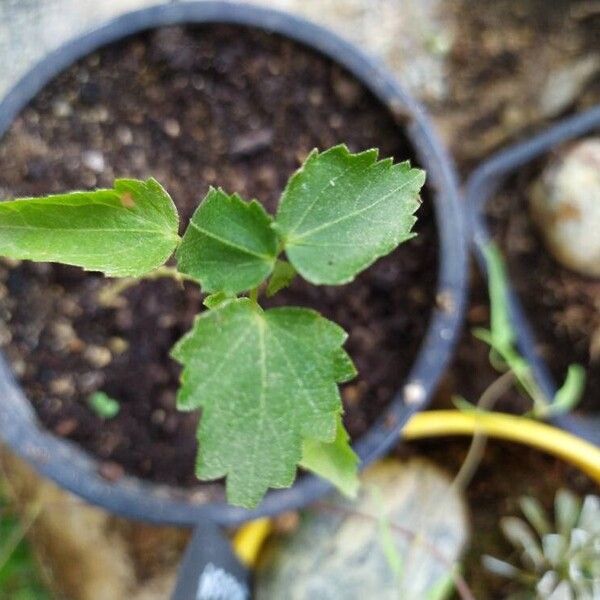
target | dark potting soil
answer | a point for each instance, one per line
(214, 105)
(562, 306)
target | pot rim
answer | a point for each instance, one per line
(481, 187)
(74, 469)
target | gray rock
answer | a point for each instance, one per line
(564, 85)
(93, 160)
(565, 204)
(337, 555)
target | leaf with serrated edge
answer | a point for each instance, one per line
(334, 461)
(216, 299)
(283, 275)
(265, 381)
(229, 245)
(342, 211)
(124, 232)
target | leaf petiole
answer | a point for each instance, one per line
(109, 295)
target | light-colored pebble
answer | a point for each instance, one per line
(565, 204)
(97, 356)
(118, 345)
(93, 160)
(337, 555)
(172, 128)
(63, 386)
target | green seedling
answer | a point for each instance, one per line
(265, 380)
(505, 357)
(103, 405)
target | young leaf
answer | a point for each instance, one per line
(229, 245)
(103, 405)
(504, 355)
(266, 381)
(213, 300)
(283, 275)
(501, 326)
(342, 211)
(334, 461)
(127, 231)
(571, 391)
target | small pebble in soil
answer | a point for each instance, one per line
(172, 128)
(63, 386)
(93, 160)
(90, 382)
(66, 427)
(118, 345)
(97, 356)
(251, 143)
(61, 109)
(63, 334)
(124, 135)
(565, 204)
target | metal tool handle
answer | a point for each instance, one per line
(210, 570)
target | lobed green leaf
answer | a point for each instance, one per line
(342, 211)
(266, 381)
(229, 245)
(334, 461)
(127, 231)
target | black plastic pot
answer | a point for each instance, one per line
(481, 188)
(76, 471)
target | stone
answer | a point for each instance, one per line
(97, 356)
(93, 160)
(339, 554)
(172, 128)
(564, 85)
(565, 204)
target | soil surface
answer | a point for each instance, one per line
(563, 307)
(220, 106)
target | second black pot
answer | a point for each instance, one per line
(481, 188)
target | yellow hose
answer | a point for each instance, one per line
(437, 423)
(249, 539)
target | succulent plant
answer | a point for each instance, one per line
(559, 561)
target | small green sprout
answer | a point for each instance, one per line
(505, 357)
(265, 380)
(103, 405)
(556, 561)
